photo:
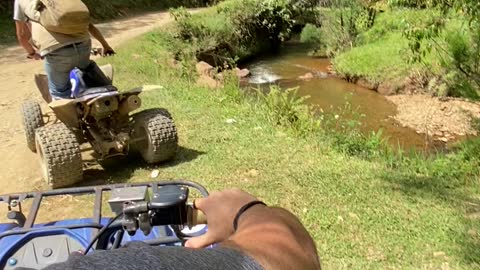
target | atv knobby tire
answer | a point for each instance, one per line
(60, 155)
(156, 134)
(32, 119)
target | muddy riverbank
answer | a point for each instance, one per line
(411, 121)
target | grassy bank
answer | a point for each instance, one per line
(404, 49)
(382, 53)
(366, 208)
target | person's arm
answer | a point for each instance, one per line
(23, 36)
(272, 236)
(98, 36)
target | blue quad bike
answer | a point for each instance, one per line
(159, 214)
(101, 117)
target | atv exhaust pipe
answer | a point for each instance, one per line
(129, 104)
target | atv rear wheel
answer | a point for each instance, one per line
(32, 119)
(60, 156)
(156, 135)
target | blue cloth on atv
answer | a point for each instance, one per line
(59, 64)
(142, 256)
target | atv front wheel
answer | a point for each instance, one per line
(155, 135)
(32, 119)
(60, 156)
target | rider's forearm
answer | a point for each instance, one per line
(23, 36)
(97, 35)
(275, 239)
(27, 46)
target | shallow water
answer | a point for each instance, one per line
(330, 93)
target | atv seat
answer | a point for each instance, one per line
(96, 91)
(41, 81)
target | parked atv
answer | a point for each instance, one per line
(157, 214)
(101, 116)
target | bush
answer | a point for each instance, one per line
(311, 34)
(461, 60)
(236, 29)
(344, 128)
(410, 3)
(287, 109)
(344, 23)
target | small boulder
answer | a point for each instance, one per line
(209, 82)
(204, 68)
(306, 77)
(386, 89)
(331, 70)
(242, 73)
(444, 139)
(155, 174)
(322, 75)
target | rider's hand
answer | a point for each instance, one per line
(108, 51)
(220, 209)
(34, 56)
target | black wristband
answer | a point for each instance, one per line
(243, 210)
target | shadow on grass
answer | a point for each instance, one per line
(455, 195)
(121, 170)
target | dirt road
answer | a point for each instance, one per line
(19, 168)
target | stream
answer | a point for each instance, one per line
(330, 93)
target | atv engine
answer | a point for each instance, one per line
(104, 108)
(107, 122)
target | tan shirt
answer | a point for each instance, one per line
(45, 41)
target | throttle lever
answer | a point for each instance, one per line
(195, 216)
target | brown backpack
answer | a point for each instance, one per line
(60, 16)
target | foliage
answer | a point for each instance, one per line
(235, 30)
(412, 3)
(344, 126)
(377, 61)
(287, 109)
(344, 23)
(311, 34)
(7, 30)
(458, 48)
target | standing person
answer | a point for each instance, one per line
(62, 52)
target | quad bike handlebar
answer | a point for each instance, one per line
(168, 206)
(138, 206)
(161, 210)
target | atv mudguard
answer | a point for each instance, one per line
(65, 109)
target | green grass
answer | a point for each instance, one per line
(382, 52)
(378, 61)
(363, 214)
